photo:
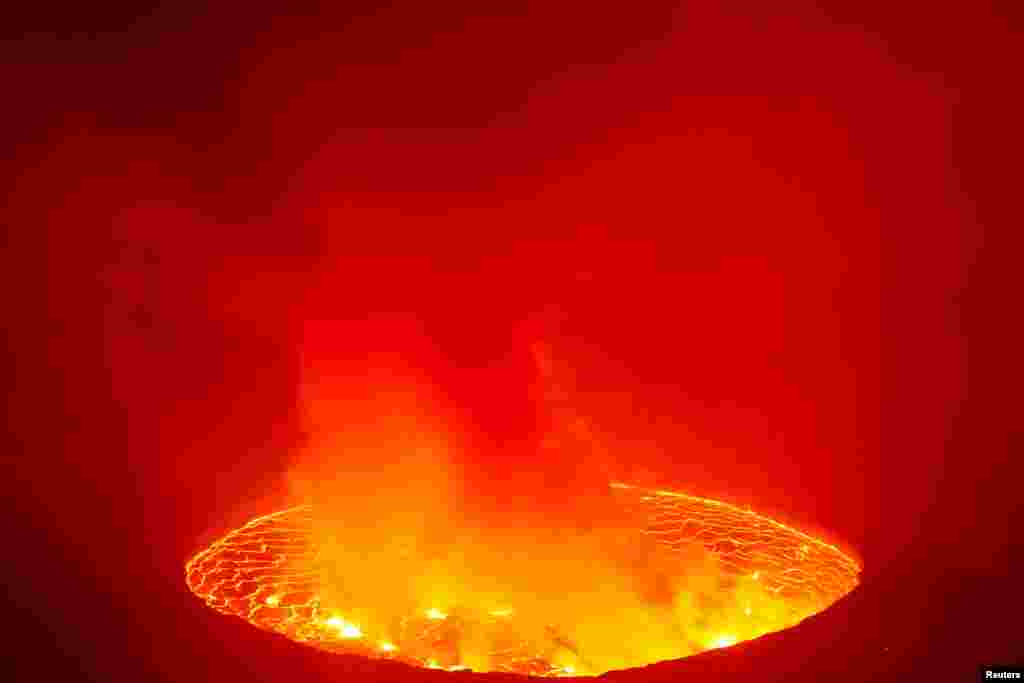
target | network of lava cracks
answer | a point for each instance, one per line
(266, 572)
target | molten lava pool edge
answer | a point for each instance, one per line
(770, 577)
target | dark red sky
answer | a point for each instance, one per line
(760, 225)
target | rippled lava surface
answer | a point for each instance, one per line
(267, 573)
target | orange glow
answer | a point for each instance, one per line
(766, 576)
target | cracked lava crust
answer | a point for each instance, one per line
(768, 577)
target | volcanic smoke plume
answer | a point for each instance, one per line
(408, 521)
(424, 529)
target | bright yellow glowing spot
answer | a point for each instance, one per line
(756, 575)
(387, 647)
(434, 613)
(723, 641)
(432, 664)
(747, 610)
(273, 600)
(345, 629)
(502, 612)
(568, 670)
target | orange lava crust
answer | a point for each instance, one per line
(267, 573)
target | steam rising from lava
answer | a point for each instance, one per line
(408, 522)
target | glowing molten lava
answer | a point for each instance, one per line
(768, 577)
